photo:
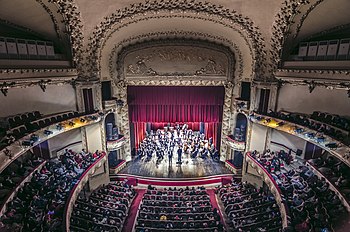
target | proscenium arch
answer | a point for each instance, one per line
(177, 16)
(193, 80)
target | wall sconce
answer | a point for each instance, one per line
(120, 103)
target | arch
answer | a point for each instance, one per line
(119, 28)
(291, 20)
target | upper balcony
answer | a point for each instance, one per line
(333, 146)
(47, 131)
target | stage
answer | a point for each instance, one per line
(190, 168)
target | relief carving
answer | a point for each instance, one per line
(176, 61)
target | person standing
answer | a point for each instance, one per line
(179, 153)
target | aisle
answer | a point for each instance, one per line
(129, 221)
(215, 204)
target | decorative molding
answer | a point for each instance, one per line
(331, 79)
(227, 66)
(115, 60)
(74, 26)
(280, 29)
(184, 9)
(304, 16)
(53, 19)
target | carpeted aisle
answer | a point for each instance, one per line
(215, 204)
(129, 221)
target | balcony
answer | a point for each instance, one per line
(334, 147)
(233, 144)
(20, 146)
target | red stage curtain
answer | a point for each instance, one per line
(161, 105)
(139, 132)
(175, 104)
(212, 130)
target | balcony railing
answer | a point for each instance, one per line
(113, 145)
(84, 178)
(16, 149)
(334, 147)
(271, 183)
(235, 145)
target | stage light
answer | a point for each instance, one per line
(59, 126)
(71, 123)
(82, 120)
(48, 132)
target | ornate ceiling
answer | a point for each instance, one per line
(256, 31)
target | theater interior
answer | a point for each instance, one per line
(188, 115)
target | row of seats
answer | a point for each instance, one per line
(314, 125)
(249, 209)
(39, 204)
(186, 209)
(335, 171)
(105, 209)
(332, 119)
(312, 205)
(31, 126)
(23, 118)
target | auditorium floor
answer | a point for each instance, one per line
(190, 168)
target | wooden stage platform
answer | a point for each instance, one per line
(190, 168)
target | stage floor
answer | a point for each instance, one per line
(190, 168)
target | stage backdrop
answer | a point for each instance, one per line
(175, 104)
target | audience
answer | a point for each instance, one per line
(311, 203)
(105, 209)
(39, 204)
(177, 209)
(249, 209)
(335, 171)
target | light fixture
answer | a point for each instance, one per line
(59, 126)
(48, 132)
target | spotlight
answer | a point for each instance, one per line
(48, 132)
(82, 120)
(59, 126)
(71, 123)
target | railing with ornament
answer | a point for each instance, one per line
(113, 145)
(334, 147)
(234, 144)
(16, 149)
(274, 188)
(84, 178)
